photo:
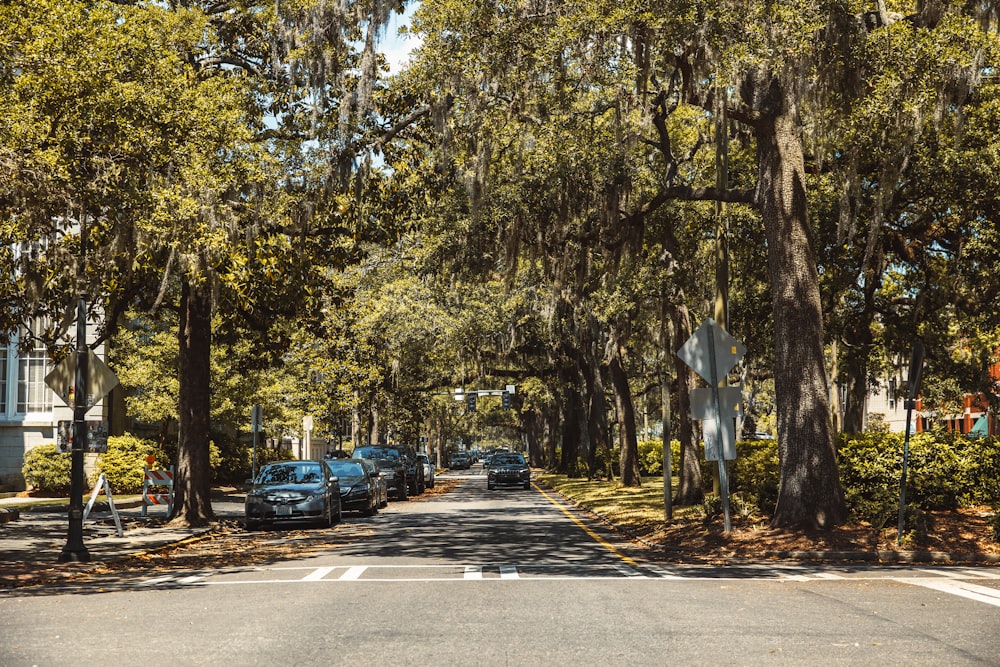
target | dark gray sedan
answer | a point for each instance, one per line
(508, 470)
(358, 491)
(293, 491)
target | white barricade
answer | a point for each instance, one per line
(102, 483)
(159, 479)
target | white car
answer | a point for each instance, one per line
(428, 469)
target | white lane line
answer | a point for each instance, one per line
(827, 575)
(318, 573)
(509, 572)
(473, 572)
(959, 588)
(353, 573)
(193, 579)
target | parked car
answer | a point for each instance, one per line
(392, 466)
(358, 490)
(293, 491)
(415, 469)
(381, 488)
(459, 461)
(508, 470)
(428, 470)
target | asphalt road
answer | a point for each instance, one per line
(509, 578)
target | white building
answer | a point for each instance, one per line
(31, 412)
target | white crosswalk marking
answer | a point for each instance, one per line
(661, 573)
(156, 581)
(960, 588)
(353, 573)
(982, 574)
(318, 573)
(627, 571)
(473, 571)
(509, 572)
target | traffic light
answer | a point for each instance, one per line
(505, 400)
(470, 401)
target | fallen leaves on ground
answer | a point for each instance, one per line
(965, 532)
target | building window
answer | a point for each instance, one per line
(33, 394)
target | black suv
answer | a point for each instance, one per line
(414, 468)
(391, 464)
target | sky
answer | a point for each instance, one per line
(395, 47)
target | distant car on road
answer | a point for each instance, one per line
(459, 461)
(293, 491)
(508, 470)
(358, 491)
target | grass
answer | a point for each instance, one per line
(636, 508)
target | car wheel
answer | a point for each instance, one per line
(252, 524)
(431, 485)
(403, 492)
(527, 486)
(370, 508)
(339, 516)
(491, 487)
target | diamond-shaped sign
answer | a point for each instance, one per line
(99, 381)
(710, 342)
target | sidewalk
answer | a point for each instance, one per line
(35, 533)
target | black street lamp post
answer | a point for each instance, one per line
(75, 550)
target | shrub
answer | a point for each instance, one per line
(234, 460)
(756, 473)
(124, 461)
(47, 469)
(651, 456)
(944, 471)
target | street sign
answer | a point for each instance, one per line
(720, 435)
(698, 351)
(711, 352)
(99, 381)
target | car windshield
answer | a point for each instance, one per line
(346, 470)
(509, 459)
(291, 473)
(375, 453)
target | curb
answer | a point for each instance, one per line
(8, 514)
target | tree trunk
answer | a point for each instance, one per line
(810, 494)
(689, 486)
(629, 457)
(571, 420)
(550, 429)
(193, 482)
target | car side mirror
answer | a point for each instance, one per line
(334, 479)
